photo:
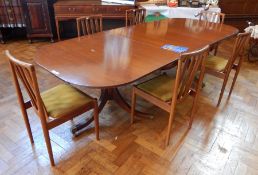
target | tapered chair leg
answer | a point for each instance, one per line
(27, 123)
(234, 81)
(49, 147)
(96, 119)
(23, 109)
(192, 112)
(170, 121)
(223, 89)
(196, 96)
(216, 49)
(133, 105)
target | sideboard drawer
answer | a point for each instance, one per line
(116, 10)
(91, 10)
(98, 10)
(74, 10)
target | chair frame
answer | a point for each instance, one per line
(183, 86)
(135, 16)
(89, 25)
(26, 73)
(233, 63)
(214, 15)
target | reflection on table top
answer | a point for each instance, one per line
(121, 56)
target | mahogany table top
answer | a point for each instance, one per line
(124, 55)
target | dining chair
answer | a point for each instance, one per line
(210, 16)
(54, 106)
(213, 17)
(88, 25)
(166, 91)
(221, 67)
(135, 16)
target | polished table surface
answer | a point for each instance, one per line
(117, 57)
(121, 56)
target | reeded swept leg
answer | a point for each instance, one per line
(106, 95)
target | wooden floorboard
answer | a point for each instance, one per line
(222, 140)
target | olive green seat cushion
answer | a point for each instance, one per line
(216, 63)
(160, 87)
(63, 99)
(151, 18)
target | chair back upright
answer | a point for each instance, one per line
(135, 16)
(239, 49)
(210, 16)
(189, 65)
(89, 25)
(26, 73)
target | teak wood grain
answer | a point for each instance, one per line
(222, 140)
(121, 56)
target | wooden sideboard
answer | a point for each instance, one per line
(71, 9)
(239, 11)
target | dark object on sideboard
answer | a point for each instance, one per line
(190, 3)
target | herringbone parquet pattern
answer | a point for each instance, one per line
(222, 140)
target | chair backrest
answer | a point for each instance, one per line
(135, 16)
(210, 16)
(26, 73)
(190, 71)
(239, 49)
(88, 25)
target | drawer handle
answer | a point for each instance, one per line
(71, 9)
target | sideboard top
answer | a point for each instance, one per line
(86, 2)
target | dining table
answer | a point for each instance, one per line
(121, 56)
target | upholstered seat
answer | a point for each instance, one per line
(62, 99)
(216, 63)
(160, 87)
(167, 91)
(221, 67)
(62, 103)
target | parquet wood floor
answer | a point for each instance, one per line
(222, 140)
